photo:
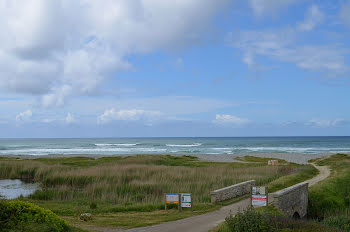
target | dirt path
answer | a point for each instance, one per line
(205, 222)
(324, 173)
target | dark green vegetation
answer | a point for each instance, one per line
(268, 220)
(25, 216)
(329, 205)
(330, 199)
(287, 180)
(129, 191)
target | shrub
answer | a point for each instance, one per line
(248, 221)
(24, 216)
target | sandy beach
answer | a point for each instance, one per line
(299, 158)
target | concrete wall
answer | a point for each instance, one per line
(292, 200)
(232, 191)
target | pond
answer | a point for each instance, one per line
(12, 189)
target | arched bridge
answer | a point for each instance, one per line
(292, 201)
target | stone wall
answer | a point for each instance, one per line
(232, 191)
(292, 201)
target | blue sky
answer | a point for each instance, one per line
(174, 68)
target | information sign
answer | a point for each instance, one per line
(172, 198)
(259, 196)
(186, 200)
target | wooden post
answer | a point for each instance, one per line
(191, 203)
(180, 208)
(251, 196)
(267, 196)
(165, 207)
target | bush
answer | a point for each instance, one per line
(248, 221)
(24, 216)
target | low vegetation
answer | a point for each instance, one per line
(287, 180)
(328, 210)
(24, 216)
(269, 220)
(129, 191)
(329, 201)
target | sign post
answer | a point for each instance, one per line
(259, 196)
(172, 198)
(182, 200)
(186, 200)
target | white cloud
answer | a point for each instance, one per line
(248, 59)
(280, 45)
(24, 116)
(169, 105)
(230, 119)
(313, 17)
(128, 115)
(325, 123)
(263, 7)
(57, 49)
(179, 64)
(345, 13)
(70, 118)
(48, 120)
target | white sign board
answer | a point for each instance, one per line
(259, 196)
(186, 200)
(172, 198)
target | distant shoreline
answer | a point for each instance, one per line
(299, 158)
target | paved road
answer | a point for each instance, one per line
(205, 222)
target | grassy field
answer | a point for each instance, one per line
(331, 198)
(268, 219)
(329, 202)
(129, 191)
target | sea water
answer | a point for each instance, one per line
(214, 146)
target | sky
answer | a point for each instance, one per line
(153, 68)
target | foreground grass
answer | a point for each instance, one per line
(329, 201)
(269, 219)
(129, 191)
(332, 196)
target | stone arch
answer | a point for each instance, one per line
(292, 201)
(296, 216)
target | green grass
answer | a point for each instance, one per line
(332, 196)
(269, 219)
(128, 191)
(307, 172)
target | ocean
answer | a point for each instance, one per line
(209, 146)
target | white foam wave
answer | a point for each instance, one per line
(85, 151)
(116, 144)
(222, 148)
(184, 145)
(293, 149)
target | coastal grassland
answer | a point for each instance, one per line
(269, 219)
(287, 180)
(330, 199)
(129, 191)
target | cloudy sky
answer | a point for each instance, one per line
(115, 68)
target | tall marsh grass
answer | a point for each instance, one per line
(132, 180)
